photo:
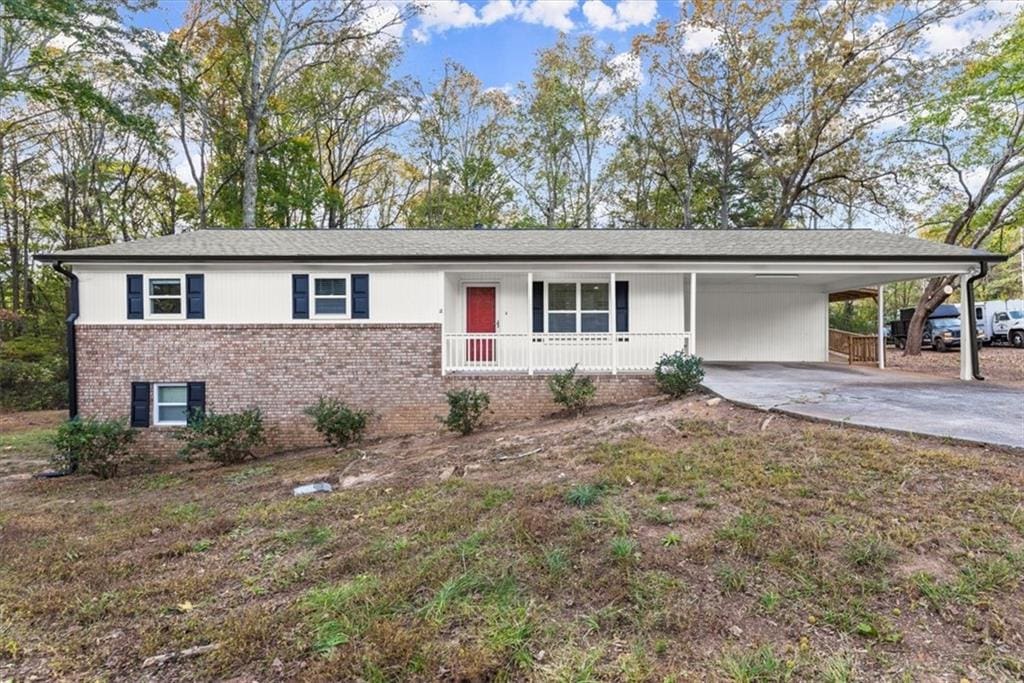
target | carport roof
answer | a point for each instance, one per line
(525, 244)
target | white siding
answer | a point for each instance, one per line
(257, 295)
(762, 324)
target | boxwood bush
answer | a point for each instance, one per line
(466, 409)
(679, 373)
(339, 424)
(572, 392)
(96, 447)
(227, 438)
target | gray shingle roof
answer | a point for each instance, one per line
(536, 244)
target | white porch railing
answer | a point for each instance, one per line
(549, 352)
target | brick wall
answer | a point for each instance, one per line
(393, 370)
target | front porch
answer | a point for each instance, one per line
(547, 321)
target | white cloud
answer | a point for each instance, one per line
(550, 13)
(441, 15)
(700, 38)
(627, 13)
(978, 23)
(628, 69)
(386, 16)
(496, 10)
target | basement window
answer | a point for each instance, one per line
(165, 296)
(170, 406)
(330, 296)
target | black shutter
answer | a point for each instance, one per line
(135, 297)
(622, 305)
(538, 306)
(196, 398)
(300, 296)
(140, 404)
(194, 300)
(360, 296)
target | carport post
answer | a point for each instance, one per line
(693, 314)
(966, 330)
(881, 327)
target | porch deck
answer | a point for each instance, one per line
(610, 352)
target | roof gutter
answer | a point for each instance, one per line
(456, 258)
(975, 359)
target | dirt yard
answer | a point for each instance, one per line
(656, 541)
(1001, 364)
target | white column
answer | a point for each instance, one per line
(693, 314)
(966, 329)
(529, 323)
(881, 326)
(611, 323)
(444, 342)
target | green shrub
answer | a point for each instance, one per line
(466, 408)
(229, 438)
(679, 373)
(33, 373)
(96, 447)
(336, 422)
(575, 393)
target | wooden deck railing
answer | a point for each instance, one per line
(858, 348)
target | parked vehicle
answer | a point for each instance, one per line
(1001, 321)
(941, 330)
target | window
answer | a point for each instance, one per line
(165, 296)
(561, 307)
(330, 296)
(594, 307)
(578, 306)
(170, 406)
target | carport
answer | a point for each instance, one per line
(868, 397)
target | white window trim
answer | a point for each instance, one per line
(156, 405)
(313, 277)
(578, 310)
(147, 309)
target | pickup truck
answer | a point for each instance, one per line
(941, 331)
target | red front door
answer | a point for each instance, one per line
(481, 314)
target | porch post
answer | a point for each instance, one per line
(967, 329)
(693, 314)
(881, 326)
(444, 314)
(611, 322)
(529, 325)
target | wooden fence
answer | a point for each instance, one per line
(858, 348)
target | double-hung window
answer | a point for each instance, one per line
(578, 307)
(331, 296)
(165, 297)
(170, 406)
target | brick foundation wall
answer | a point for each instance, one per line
(393, 370)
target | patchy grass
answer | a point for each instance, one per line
(667, 541)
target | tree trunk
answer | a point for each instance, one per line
(933, 295)
(249, 173)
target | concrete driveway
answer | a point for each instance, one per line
(980, 412)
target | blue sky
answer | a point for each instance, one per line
(496, 39)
